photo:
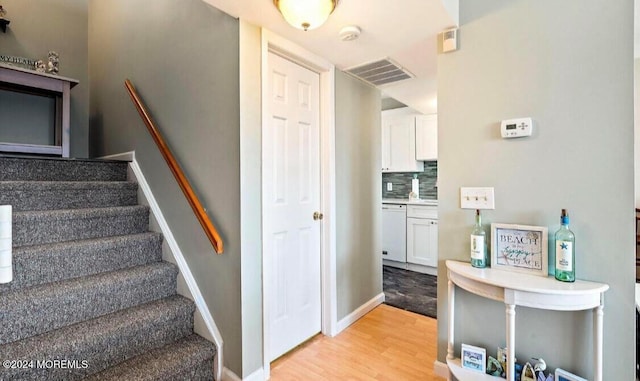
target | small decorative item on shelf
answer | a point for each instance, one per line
(40, 66)
(53, 64)
(3, 21)
(563, 375)
(494, 368)
(474, 358)
(539, 369)
(519, 248)
(478, 243)
(502, 358)
(528, 373)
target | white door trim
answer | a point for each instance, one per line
(326, 70)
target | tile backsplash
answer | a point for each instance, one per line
(402, 182)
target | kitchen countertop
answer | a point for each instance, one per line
(406, 201)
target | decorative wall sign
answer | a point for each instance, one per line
(519, 248)
(22, 62)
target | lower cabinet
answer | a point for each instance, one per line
(422, 241)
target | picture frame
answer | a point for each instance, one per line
(563, 375)
(520, 248)
(473, 358)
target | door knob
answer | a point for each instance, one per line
(317, 216)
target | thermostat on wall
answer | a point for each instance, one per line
(516, 128)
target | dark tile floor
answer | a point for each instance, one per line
(409, 290)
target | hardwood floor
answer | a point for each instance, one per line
(386, 344)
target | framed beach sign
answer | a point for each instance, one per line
(519, 248)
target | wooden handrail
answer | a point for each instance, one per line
(184, 184)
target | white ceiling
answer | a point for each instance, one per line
(404, 30)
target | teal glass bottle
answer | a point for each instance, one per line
(565, 251)
(478, 244)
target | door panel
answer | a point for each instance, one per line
(291, 177)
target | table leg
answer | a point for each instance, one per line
(598, 318)
(511, 341)
(451, 301)
(66, 119)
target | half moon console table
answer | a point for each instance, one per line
(517, 289)
(18, 79)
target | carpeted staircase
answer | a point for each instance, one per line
(91, 296)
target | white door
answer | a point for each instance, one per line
(291, 186)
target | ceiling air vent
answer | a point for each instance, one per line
(380, 72)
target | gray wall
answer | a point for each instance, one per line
(184, 62)
(568, 65)
(358, 199)
(38, 26)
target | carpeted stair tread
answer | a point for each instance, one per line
(40, 309)
(48, 226)
(40, 264)
(50, 195)
(104, 341)
(48, 169)
(190, 358)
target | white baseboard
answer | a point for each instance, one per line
(441, 369)
(228, 375)
(125, 156)
(198, 299)
(360, 312)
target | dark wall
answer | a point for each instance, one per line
(183, 57)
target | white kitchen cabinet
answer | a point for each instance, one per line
(427, 137)
(422, 235)
(399, 141)
(422, 241)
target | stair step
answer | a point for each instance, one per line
(57, 169)
(102, 342)
(39, 309)
(40, 264)
(190, 358)
(50, 195)
(49, 226)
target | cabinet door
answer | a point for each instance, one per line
(399, 143)
(394, 233)
(386, 146)
(427, 137)
(422, 241)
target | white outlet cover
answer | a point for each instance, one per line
(477, 198)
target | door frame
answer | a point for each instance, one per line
(272, 42)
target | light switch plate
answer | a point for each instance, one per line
(477, 198)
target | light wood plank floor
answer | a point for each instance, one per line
(386, 344)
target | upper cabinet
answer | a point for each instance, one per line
(427, 137)
(399, 141)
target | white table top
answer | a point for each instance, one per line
(525, 282)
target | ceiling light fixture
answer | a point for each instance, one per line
(305, 14)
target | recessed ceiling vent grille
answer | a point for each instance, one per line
(380, 72)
